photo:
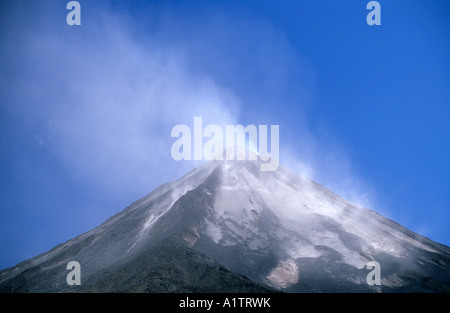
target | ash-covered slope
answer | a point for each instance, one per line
(228, 227)
(295, 235)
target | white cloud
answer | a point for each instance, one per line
(109, 111)
(109, 95)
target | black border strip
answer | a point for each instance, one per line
(275, 302)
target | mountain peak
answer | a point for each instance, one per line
(266, 161)
(264, 229)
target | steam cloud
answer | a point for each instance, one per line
(105, 97)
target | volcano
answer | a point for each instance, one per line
(229, 227)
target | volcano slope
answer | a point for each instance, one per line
(229, 227)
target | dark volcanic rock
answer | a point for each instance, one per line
(227, 227)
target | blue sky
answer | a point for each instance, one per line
(86, 111)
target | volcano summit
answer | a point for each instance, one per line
(229, 227)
